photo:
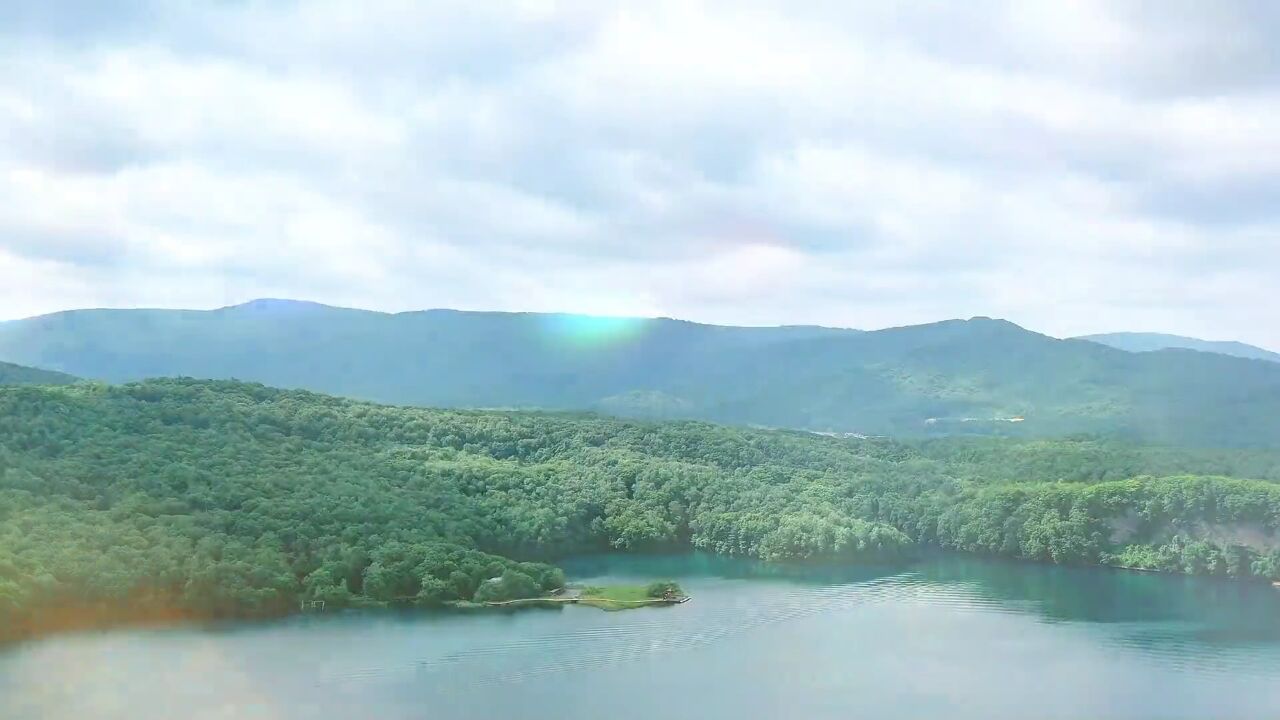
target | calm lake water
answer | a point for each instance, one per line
(946, 637)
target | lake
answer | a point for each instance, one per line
(948, 636)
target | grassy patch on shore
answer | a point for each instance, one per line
(625, 597)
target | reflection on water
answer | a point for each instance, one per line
(1001, 639)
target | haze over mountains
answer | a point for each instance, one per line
(1147, 342)
(978, 375)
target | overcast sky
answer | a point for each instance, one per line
(1072, 166)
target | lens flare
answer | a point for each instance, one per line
(591, 331)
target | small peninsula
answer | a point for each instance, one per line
(605, 597)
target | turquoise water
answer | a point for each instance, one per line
(946, 637)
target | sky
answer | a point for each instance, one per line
(1075, 167)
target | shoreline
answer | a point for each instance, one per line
(68, 621)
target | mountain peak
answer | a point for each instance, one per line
(983, 320)
(961, 327)
(276, 305)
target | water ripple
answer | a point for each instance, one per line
(631, 639)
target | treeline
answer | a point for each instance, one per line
(1189, 524)
(217, 498)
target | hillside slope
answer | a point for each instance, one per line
(183, 498)
(962, 376)
(11, 374)
(1147, 342)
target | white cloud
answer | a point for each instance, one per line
(1077, 168)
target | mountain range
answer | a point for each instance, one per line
(1147, 342)
(958, 376)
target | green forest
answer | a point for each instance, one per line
(206, 499)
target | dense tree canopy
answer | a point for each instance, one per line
(219, 498)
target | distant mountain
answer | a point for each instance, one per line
(958, 376)
(432, 357)
(1147, 342)
(11, 374)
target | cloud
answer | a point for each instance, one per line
(1076, 167)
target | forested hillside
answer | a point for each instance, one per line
(183, 498)
(11, 374)
(979, 376)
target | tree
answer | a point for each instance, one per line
(663, 589)
(511, 585)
